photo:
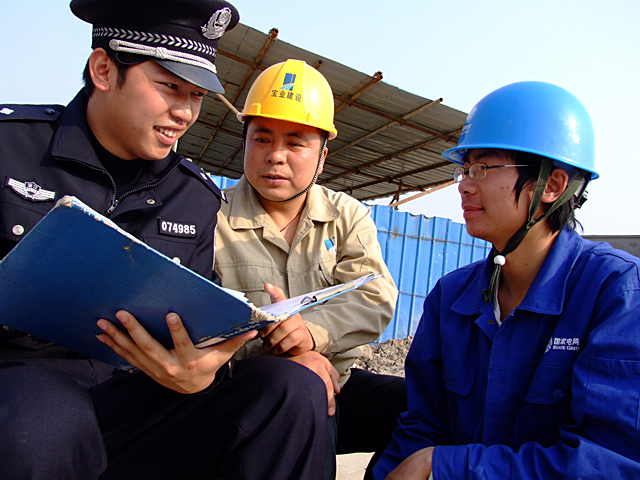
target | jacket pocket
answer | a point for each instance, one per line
(180, 250)
(250, 277)
(326, 274)
(547, 406)
(458, 376)
(613, 399)
(17, 220)
(463, 410)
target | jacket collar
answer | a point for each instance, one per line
(319, 207)
(73, 140)
(547, 292)
(247, 212)
(73, 137)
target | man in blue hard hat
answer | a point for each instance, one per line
(186, 412)
(527, 364)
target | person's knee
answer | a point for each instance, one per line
(300, 385)
(280, 376)
(271, 384)
(278, 419)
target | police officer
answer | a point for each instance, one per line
(187, 412)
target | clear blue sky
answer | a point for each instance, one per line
(457, 50)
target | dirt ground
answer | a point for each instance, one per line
(387, 358)
(352, 466)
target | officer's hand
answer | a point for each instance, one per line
(415, 467)
(185, 368)
(290, 335)
(323, 368)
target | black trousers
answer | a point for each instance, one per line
(368, 409)
(67, 419)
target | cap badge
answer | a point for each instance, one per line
(218, 23)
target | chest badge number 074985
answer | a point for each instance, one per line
(176, 229)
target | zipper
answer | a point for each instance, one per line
(101, 170)
(114, 200)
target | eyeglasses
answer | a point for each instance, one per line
(477, 171)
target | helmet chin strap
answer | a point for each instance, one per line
(315, 176)
(579, 182)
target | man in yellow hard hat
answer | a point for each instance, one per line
(281, 235)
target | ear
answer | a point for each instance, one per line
(557, 183)
(102, 70)
(324, 156)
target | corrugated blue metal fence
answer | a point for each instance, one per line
(223, 182)
(418, 251)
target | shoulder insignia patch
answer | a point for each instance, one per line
(43, 113)
(206, 179)
(30, 190)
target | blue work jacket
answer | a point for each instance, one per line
(553, 392)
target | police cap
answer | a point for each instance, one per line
(180, 35)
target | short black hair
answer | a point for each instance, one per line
(561, 217)
(122, 60)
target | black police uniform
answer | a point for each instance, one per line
(53, 152)
(65, 416)
(45, 154)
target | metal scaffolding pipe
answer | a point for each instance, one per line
(387, 126)
(273, 35)
(422, 194)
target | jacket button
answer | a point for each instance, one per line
(177, 260)
(17, 230)
(558, 394)
(151, 201)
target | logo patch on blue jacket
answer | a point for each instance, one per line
(557, 343)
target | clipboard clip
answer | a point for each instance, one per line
(328, 293)
(308, 300)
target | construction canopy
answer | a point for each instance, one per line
(389, 140)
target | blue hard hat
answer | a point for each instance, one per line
(535, 117)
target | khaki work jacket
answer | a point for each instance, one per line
(336, 241)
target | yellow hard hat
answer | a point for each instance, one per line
(292, 91)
